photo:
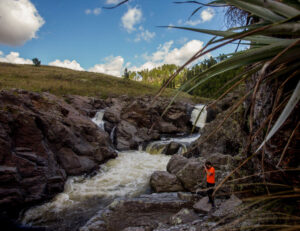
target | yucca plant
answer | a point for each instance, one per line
(272, 65)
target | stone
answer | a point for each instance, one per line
(176, 163)
(162, 181)
(192, 175)
(230, 206)
(172, 148)
(203, 205)
(183, 216)
(144, 211)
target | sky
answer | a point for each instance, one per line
(82, 35)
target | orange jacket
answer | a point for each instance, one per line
(210, 175)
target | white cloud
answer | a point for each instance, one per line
(14, 57)
(113, 1)
(112, 66)
(144, 35)
(132, 17)
(95, 11)
(67, 64)
(19, 21)
(166, 55)
(207, 15)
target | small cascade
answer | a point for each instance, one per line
(127, 175)
(98, 119)
(171, 145)
(112, 134)
(200, 123)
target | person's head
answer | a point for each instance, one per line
(208, 164)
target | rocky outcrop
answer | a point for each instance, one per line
(189, 172)
(145, 211)
(43, 139)
(139, 120)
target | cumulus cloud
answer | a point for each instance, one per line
(13, 57)
(113, 1)
(166, 55)
(19, 21)
(205, 15)
(95, 11)
(67, 64)
(112, 66)
(144, 35)
(131, 18)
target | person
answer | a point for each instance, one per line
(210, 181)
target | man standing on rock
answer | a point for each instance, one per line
(210, 181)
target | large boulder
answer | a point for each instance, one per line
(176, 163)
(192, 175)
(162, 181)
(43, 139)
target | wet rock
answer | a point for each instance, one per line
(192, 175)
(203, 205)
(230, 206)
(43, 139)
(162, 181)
(143, 211)
(176, 163)
(183, 216)
(172, 148)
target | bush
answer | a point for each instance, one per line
(36, 62)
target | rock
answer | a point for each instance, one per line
(176, 163)
(162, 181)
(183, 216)
(143, 211)
(138, 120)
(203, 205)
(136, 229)
(43, 139)
(187, 196)
(172, 148)
(230, 206)
(192, 175)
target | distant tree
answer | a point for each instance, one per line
(126, 74)
(36, 62)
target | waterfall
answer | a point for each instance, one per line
(98, 119)
(200, 123)
(162, 146)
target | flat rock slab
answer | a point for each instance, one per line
(203, 205)
(229, 206)
(143, 211)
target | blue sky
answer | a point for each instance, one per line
(82, 35)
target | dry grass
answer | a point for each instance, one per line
(62, 81)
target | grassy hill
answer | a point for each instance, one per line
(62, 81)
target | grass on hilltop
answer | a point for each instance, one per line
(63, 81)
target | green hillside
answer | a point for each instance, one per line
(62, 81)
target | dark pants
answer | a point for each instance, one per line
(210, 192)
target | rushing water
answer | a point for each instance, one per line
(198, 119)
(126, 176)
(98, 119)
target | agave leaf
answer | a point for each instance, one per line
(276, 6)
(284, 115)
(240, 59)
(259, 11)
(229, 34)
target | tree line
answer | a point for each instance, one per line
(187, 78)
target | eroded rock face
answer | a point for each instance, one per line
(144, 211)
(139, 120)
(43, 139)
